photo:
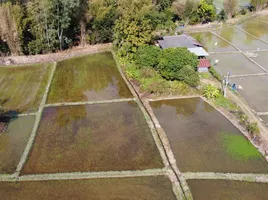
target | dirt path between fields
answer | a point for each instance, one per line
(52, 57)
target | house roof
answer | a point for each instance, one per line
(204, 63)
(178, 41)
(199, 51)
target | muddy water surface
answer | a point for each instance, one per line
(241, 40)
(149, 188)
(204, 140)
(209, 40)
(88, 78)
(227, 190)
(13, 142)
(100, 137)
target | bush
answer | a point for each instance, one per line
(253, 129)
(243, 119)
(222, 16)
(147, 56)
(211, 92)
(172, 60)
(215, 74)
(189, 76)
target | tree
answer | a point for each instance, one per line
(103, 16)
(230, 7)
(11, 17)
(163, 4)
(147, 56)
(63, 11)
(188, 75)
(259, 4)
(133, 29)
(172, 60)
(206, 11)
(1, 111)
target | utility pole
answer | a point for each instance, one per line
(225, 82)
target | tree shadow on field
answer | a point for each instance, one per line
(6, 116)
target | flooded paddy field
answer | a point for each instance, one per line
(236, 64)
(254, 91)
(13, 142)
(99, 137)
(262, 59)
(22, 88)
(203, 140)
(149, 188)
(88, 78)
(257, 28)
(241, 40)
(265, 119)
(227, 189)
(208, 40)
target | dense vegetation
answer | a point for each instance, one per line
(42, 26)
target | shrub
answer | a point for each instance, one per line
(215, 73)
(243, 119)
(147, 56)
(172, 60)
(189, 76)
(132, 72)
(211, 92)
(253, 129)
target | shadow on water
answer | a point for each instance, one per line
(6, 117)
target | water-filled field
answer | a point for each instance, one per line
(100, 137)
(256, 28)
(254, 91)
(212, 43)
(88, 78)
(13, 142)
(149, 188)
(204, 140)
(22, 88)
(261, 59)
(241, 40)
(226, 189)
(241, 66)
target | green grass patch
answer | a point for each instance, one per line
(225, 103)
(239, 147)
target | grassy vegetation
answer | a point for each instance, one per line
(152, 82)
(22, 88)
(239, 147)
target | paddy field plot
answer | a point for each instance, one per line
(254, 91)
(203, 140)
(22, 88)
(149, 188)
(209, 40)
(88, 78)
(236, 64)
(240, 39)
(257, 28)
(265, 119)
(262, 59)
(99, 137)
(13, 142)
(227, 189)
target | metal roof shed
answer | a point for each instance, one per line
(199, 51)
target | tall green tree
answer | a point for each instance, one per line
(133, 28)
(206, 11)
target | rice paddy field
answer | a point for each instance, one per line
(22, 88)
(261, 59)
(209, 40)
(101, 137)
(240, 67)
(89, 78)
(203, 140)
(13, 142)
(149, 188)
(76, 130)
(225, 189)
